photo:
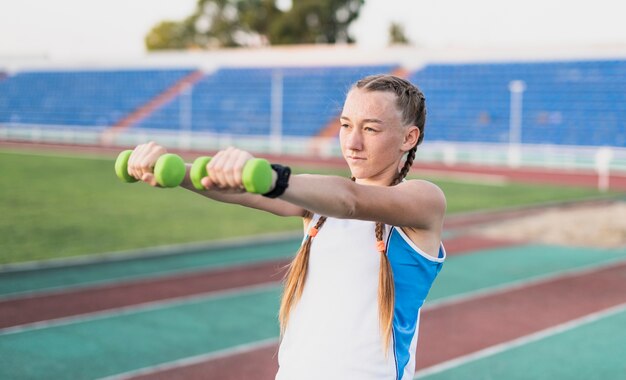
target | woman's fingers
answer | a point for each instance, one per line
(133, 169)
(147, 162)
(215, 169)
(142, 160)
(238, 166)
(207, 183)
(225, 169)
(232, 172)
(150, 179)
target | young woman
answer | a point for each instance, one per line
(372, 246)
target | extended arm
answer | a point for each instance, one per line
(275, 206)
(141, 165)
(413, 204)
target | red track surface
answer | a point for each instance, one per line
(458, 329)
(257, 364)
(47, 306)
(446, 332)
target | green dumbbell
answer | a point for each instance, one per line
(169, 170)
(256, 176)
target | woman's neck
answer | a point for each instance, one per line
(382, 179)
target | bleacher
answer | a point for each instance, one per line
(80, 98)
(239, 100)
(568, 103)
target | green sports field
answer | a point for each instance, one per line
(67, 205)
(512, 310)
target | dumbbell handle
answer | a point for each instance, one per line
(256, 175)
(169, 170)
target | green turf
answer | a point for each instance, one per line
(465, 197)
(592, 351)
(59, 207)
(55, 206)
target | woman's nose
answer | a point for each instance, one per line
(354, 141)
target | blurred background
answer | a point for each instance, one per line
(532, 83)
(526, 135)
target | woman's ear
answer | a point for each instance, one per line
(411, 137)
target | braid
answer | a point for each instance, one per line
(422, 116)
(411, 101)
(296, 276)
(406, 167)
(386, 288)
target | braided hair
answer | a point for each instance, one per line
(411, 102)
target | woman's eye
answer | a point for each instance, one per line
(344, 125)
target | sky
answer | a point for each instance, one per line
(62, 29)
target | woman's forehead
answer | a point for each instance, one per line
(371, 104)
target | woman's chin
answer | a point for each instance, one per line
(358, 172)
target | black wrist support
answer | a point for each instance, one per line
(282, 181)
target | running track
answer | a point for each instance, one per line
(499, 310)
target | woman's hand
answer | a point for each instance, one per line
(141, 162)
(225, 171)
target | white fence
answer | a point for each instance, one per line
(601, 159)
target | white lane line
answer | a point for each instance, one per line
(499, 348)
(241, 349)
(133, 279)
(139, 308)
(169, 250)
(430, 305)
(490, 351)
(520, 284)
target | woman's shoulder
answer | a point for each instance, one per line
(429, 199)
(425, 187)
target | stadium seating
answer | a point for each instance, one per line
(80, 98)
(565, 102)
(569, 102)
(238, 100)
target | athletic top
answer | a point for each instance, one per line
(333, 331)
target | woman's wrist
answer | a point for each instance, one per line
(280, 181)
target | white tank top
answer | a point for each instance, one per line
(333, 331)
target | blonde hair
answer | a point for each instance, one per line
(411, 103)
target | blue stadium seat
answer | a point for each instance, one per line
(568, 102)
(565, 102)
(238, 100)
(80, 98)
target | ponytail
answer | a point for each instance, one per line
(296, 277)
(410, 100)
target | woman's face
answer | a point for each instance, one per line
(372, 136)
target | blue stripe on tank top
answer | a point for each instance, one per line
(413, 275)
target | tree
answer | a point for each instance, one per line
(215, 23)
(168, 35)
(397, 35)
(226, 23)
(315, 21)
